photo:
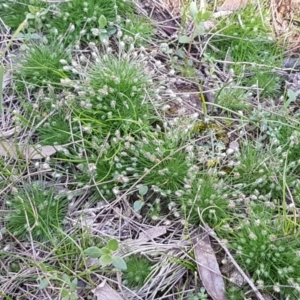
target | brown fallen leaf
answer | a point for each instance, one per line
(208, 268)
(12, 150)
(152, 233)
(105, 292)
(232, 5)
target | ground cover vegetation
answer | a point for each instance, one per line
(154, 138)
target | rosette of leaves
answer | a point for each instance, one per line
(107, 255)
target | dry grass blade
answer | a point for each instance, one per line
(208, 268)
(2, 70)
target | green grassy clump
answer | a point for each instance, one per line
(41, 64)
(271, 258)
(137, 29)
(56, 131)
(248, 38)
(75, 18)
(137, 272)
(37, 211)
(115, 96)
(13, 13)
(233, 98)
(84, 15)
(206, 200)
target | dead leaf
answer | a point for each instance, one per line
(37, 153)
(285, 16)
(234, 145)
(12, 150)
(232, 5)
(105, 292)
(152, 233)
(208, 268)
(173, 6)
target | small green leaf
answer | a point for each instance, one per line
(292, 96)
(105, 250)
(184, 39)
(35, 36)
(106, 260)
(199, 30)
(193, 9)
(33, 9)
(66, 279)
(74, 284)
(119, 263)
(143, 190)
(43, 284)
(65, 293)
(102, 22)
(93, 252)
(111, 30)
(30, 16)
(113, 245)
(203, 16)
(103, 37)
(74, 296)
(137, 205)
(180, 53)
